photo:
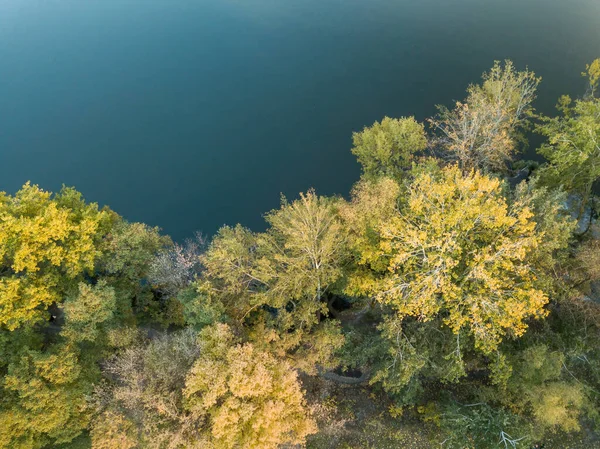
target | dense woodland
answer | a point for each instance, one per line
(451, 301)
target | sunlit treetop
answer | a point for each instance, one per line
(46, 242)
(460, 250)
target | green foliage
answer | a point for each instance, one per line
(278, 279)
(70, 275)
(480, 426)
(93, 306)
(573, 146)
(44, 398)
(592, 72)
(387, 148)
(201, 307)
(535, 386)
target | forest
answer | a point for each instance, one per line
(451, 300)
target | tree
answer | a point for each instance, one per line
(592, 72)
(46, 245)
(460, 249)
(387, 148)
(175, 268)
(199, 391)
(43, 398)
(141, 402)
(230, 266)
(535, 387)
(482, 131)
(70, 277)
(248, 399)
(85, 314)
(278, 280)
(573, 146)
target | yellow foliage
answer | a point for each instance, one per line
(592, 72)
(460, 251)
(113, 431)
(42, 245)
(250, 399)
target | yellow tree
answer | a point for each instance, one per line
(207, 390)
(69, 273)
(247, 398)
(459, 251)
(45, 244)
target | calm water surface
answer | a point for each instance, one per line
(190, 114)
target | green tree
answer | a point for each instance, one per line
(279, 280)
(85, 313)
(387, 148)
(70, 277)
(573, 146)
(43, 398)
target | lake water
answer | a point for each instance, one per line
(190, 114)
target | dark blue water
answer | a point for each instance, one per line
(189, 114)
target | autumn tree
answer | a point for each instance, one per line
(483, 130)
(71, 278)
(458, 255)
(592, 73)
(246, 397)
(45, 247)
(387, 148)
(141, 401)
(177, 266)
(186, 390)
(43, 399)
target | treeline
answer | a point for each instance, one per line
(462, 283)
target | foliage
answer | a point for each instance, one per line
(536, 386)
(279, 279)
(184, 390)
(93, 306)
(70, 276)
(176, 267)
(43, 399)
(592, 72)
(201, 307)
(142, 402)
(573, 146)
(481, 426)
(45, 246)
(248, 398)
(459, 249)
(387, 148)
